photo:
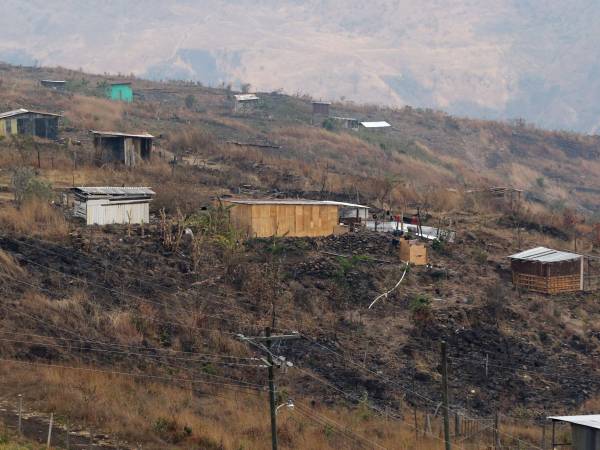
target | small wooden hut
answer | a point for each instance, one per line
(547, 271)
(414, 252)
(287, 217)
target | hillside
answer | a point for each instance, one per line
(134, 333)
(506, 60)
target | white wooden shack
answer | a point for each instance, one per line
(112, 205)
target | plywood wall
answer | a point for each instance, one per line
(285, 220)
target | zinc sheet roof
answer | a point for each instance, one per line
(114, 190)
(119, 134)
(591, 420)
(380, 124)
(544, 255)
(245, 97)
(18, 112)
(292, 201)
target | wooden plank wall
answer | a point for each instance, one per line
(285, 220)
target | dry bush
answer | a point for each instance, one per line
(35, 218)
(94, 113)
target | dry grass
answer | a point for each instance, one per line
(9, 266)
(89, 113)
(35, 218)
(157, 414)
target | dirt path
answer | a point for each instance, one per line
(35, 426)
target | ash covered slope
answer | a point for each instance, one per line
(505, 59)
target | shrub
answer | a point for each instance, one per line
(420, 309)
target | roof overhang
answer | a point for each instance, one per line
(590, 420)
(119, 134)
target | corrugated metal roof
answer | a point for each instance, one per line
(321, 103)
(591, 420)
(119, 134)
(381, 124)
(18, 112)
(245, 97)
(117, 83)
(113, 190)
(292, 201)
(544, 255)
(53, 81)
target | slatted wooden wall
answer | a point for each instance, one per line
(285, 220)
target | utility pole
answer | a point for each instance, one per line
(271, 390)
(269, 339)
(445, 395)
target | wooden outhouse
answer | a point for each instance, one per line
(112, 205)
(124, 148)
(286, 217)
(414, 252)
(31, 123)
(547, 271)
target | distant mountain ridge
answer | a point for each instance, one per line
(505, 59)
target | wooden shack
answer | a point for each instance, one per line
(31, 123)
(112, 205)
(57, 85)
(286, 217)
(124, 148)
(414, 252)
(321, 108)
(547, 271)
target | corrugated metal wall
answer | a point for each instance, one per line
(99, 212)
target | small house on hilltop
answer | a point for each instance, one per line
(245, 102)
(32, 123)
(585, 431)
(320, 108)
(547, 271)
(120, 91)
(124, 148)
(347, 122)
(112, 205)
(289, 217)
(57, 85)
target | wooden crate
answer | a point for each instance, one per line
(414, 252)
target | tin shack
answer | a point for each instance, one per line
(585, 431)
(112, 205)
(124, 148)
(547, 271)
(31, 123)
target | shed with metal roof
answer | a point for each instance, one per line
(122, 148)
(379, 124)
(104, 205)
(245, 102)
(585, 431)
(288, 217)
(27, 122)
(546, 270)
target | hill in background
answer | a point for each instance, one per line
(503, 60)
